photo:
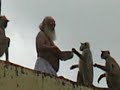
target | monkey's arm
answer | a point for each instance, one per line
(77, 53)
(100, 66)
(7, 54)
(101, 76)
(74, 66)
(7, 49)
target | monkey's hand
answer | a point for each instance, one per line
(95, 65)
(77, 53)
(73, 50)
(74, 66)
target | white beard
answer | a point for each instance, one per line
(50, 33)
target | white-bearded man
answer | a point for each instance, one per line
(48, 54)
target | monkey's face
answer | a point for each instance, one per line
(84, 46)
(105, 54)
(3, 23)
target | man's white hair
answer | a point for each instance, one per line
(44, 22)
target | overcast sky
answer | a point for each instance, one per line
(95, 21)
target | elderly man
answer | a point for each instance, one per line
(48, 53)
(4, 41)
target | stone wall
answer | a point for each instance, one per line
(16, 77)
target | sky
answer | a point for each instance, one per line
(94, 21)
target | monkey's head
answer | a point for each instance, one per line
(105, 54)
(3, 21)
(84, 45)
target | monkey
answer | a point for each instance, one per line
(4, 40)
(112, 70)
(85, 73)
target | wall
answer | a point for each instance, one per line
(16, 77)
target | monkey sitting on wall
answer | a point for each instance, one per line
(85, 73)
(4, 41)
(112, 70)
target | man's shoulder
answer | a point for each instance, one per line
(40, 34)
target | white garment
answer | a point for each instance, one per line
(44, 66)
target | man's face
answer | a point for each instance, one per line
(49, 29)
(51, 24)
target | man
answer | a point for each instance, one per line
(4, 41)
(48, 53)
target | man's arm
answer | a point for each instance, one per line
(65, 55)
